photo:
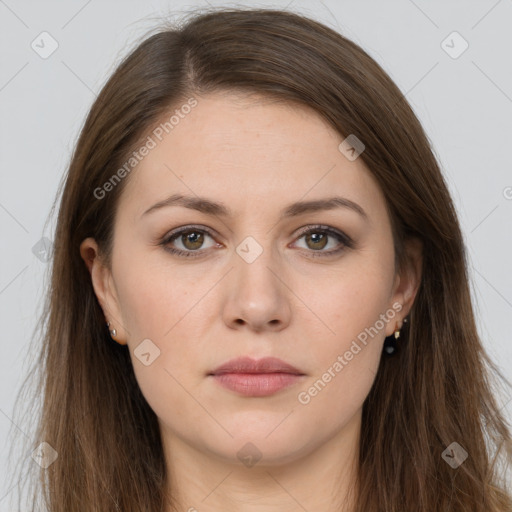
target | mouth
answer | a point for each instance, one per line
(257, 378)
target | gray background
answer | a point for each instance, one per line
(464, 103)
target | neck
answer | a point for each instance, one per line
(320, 479)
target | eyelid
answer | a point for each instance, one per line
(190, 227)
(343, 239)
(168, 237)
(329, 229)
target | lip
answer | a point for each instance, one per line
(256, 378)
(248, 365)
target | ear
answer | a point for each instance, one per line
(407, 282)
(104, 288)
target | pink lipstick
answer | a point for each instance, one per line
(256, 378)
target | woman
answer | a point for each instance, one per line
(259, 294)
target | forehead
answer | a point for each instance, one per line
(246, 151)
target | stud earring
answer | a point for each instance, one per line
(113, 332)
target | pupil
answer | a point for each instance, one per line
(193, 238)
(318, 238)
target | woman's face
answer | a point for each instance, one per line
(249, 281)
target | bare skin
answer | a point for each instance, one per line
(255, 157)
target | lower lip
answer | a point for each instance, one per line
(256, 384)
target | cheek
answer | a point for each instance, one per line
(153, 309)
(336, 395)
(160, 304)
(152, 298)
(356, 309)
(354, 299)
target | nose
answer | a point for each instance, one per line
(257, 297)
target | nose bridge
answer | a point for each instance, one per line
(257, 297)
(257, 261)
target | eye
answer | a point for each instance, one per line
(192, 239)
(318, 238)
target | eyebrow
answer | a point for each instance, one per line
(209, 207)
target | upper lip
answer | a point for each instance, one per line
(248, 365)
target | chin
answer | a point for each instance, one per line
(259, 448)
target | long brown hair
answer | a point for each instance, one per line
(440, 387)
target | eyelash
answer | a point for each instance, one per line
(346, 241)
